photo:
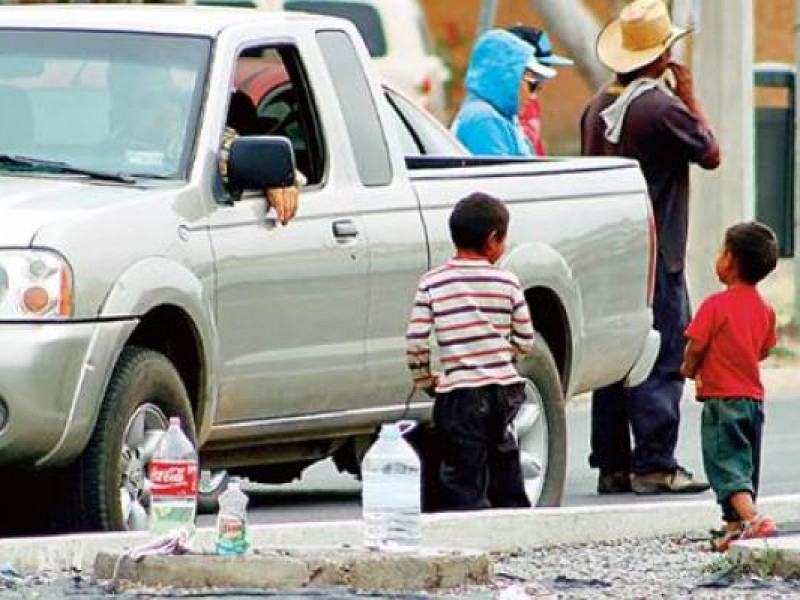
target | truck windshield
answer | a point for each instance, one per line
(123, 103)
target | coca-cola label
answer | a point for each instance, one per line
(174, 478)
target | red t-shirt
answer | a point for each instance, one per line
(736, 328)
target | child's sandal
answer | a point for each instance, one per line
(759, 527)
(721, 539)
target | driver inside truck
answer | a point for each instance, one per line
(146, 122)
(241, 115)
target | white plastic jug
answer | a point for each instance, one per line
(392, 491)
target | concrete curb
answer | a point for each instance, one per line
(359, 569)
(497, 530)
(779, 556)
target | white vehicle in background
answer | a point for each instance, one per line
(397, 37)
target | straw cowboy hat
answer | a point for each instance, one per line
(641, 33)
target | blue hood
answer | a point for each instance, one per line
(496, 68)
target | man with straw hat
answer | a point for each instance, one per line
(649, 113)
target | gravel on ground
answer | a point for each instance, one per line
(651, 568)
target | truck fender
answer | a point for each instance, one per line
(538, 265)
(143, 286)
(159, 281)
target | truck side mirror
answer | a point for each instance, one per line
(260, 162)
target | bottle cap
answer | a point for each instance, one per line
(175, 421)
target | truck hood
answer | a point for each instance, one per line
(27, 204)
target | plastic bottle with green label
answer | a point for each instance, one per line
(231, 538)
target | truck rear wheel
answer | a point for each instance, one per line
(541, 427)
(109, 480)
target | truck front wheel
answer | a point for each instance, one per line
(109, 480)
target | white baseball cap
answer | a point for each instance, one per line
(541, 70)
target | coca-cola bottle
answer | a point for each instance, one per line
(173, 482)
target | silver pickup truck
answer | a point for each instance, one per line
(137, 283)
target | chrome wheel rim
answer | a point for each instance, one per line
(144, 430)
(530, 428)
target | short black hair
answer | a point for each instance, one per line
(474, 218)
(754, 248)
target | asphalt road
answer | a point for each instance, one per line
(324, 494)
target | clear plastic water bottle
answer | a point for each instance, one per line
(231, 535)
(173, 482)
(391, 492)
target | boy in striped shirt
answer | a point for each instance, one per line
(480, 320)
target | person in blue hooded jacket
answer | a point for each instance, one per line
(502, 73)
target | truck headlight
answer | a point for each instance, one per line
(34, 284)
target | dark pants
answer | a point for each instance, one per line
(731, 434)
(650, 410)
(480, 466)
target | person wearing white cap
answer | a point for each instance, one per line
(650, 114)
(502, 73)
(530, 113)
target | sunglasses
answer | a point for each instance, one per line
(533, 84)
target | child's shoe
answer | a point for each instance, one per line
(759, 527)
(721, 539)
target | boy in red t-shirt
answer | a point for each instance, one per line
(731, 333)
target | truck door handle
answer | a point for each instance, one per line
(345, 229)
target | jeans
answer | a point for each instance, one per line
(651, 411)
(480, 463)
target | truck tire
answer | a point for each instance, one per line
(144, 391)
(541, 427)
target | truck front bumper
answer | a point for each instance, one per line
(52, 377)
(647, 358)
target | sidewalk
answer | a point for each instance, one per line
(778, 289)
(490, 530)
(781, 371)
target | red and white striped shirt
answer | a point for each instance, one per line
(478, 315)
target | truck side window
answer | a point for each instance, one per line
(272, 97)
(408, 141)
(358, 107)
